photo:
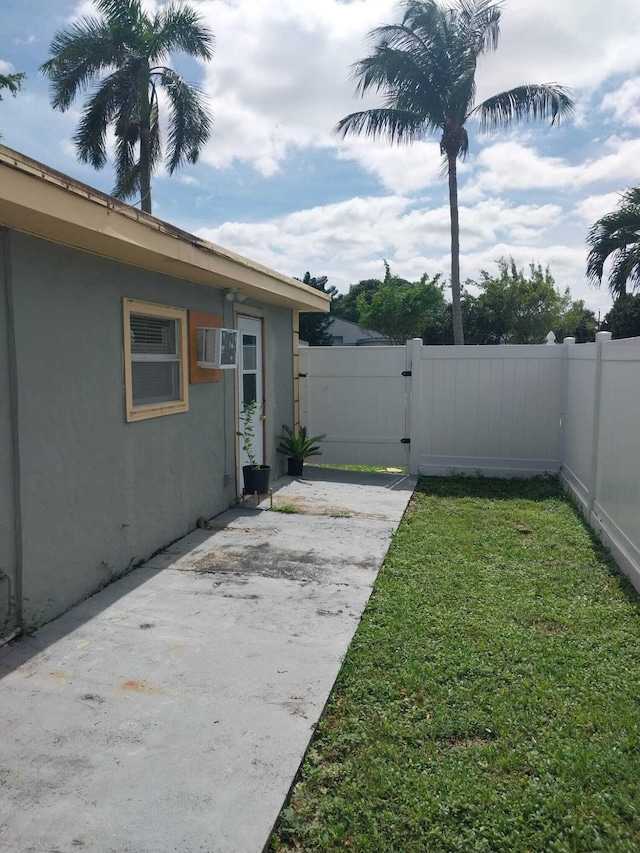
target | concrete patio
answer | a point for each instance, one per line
(170, 712)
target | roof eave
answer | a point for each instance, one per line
(48, 204)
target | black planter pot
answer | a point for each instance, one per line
(256, 479)
(294, 467)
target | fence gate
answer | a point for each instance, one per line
(359, 398)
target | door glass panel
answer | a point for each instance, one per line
(249, 387)
(249, 352)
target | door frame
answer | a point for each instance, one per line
(249, 313)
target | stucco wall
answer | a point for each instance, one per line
(7, 514)
(98, 493)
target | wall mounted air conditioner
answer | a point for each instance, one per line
(217, 348)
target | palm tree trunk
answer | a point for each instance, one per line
(458, 334)
(145, 168)
(145, 145)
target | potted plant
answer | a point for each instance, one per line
(256, 477)
(297, 448)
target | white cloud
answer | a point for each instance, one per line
(348, 241)
(624, 102)
(512, 166)
(279, 81)
(573, 42)
(6, 67)
(400, 169)
(593, 207)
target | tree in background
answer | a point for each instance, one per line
(578, 322)
(11, 82)
(314, 327)
(516, 308)
(616, 238)
(424, 68)
(623, 321)
(345, 305)
(124, 54)
(400, 309)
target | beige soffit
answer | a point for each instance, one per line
(48, 204)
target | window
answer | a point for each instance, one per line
(155, 355)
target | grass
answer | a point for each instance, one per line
(376, 469)
(287, 509)
(490, 700)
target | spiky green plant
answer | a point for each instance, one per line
(124, 56)
(298, 446)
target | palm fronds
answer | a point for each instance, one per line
(545, 101)
(118, 55)
(616, 238)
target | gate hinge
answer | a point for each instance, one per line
(405, 441)
(406, 373)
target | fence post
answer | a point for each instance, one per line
(601, 337)
(415, 404)
(563, 404)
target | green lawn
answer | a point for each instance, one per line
(374, 469)
(490, 700)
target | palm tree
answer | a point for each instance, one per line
(617, 236)
(424, 67)
(124, 54)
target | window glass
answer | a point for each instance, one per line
(249, 352)
(156, 364)
(155, 382)
(249, 387)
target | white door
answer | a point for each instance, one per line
(250, 385)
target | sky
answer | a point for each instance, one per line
(275, 185)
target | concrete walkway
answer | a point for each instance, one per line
(170, 712)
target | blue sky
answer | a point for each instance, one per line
(273, 184)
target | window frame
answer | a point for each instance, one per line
(162, 312)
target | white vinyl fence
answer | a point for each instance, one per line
(572, 410)
(601, 442)
(357, 397)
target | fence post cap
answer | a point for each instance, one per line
(603, 336)
(569, 340)
(551, 338)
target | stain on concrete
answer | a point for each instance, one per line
(137, 686)
(315, 507)
(296, 706)
(261, 559)
(268, 561)
(91, 697)
(59, 676)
